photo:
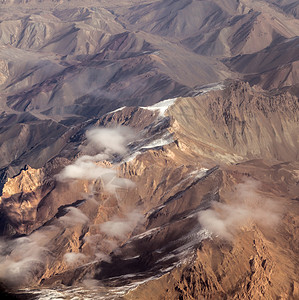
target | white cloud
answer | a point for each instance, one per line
(108, 141)
(84, 170)
(102, 256)
(74, 216)
(246, 206)
(22, 258)
(73, 258)
(121, 227)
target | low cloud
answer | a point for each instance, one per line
(91, 283)
(100, 246)
(23, 258)
(121, 227)
(102, 257)
(246, 206)
(113, 183)
(73, 258)
(74, 216)
(102, 144)
(109, 140)
(84, 170)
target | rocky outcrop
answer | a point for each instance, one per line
(243, 124)
(256, 264)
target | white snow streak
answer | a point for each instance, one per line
(161, 106)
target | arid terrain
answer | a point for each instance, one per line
(149, 149)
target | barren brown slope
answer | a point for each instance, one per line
(71, 62)
(275, 66)
(257, 264)
(159, 242)
(289, 6)
(239, 123)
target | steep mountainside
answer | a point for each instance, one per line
(68, 62)
(202, 205)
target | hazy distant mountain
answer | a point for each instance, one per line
(68, 62)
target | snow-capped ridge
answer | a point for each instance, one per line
(161, 106)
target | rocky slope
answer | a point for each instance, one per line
(64, 63)
(212, 212)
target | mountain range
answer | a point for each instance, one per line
(149, 149)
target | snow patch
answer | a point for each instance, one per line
(204, 234)
(213, 88)
(208, 88)
(163, 141)
(161, 106)
(131, 157)
(199, 173)
(116, 110)
(146, 233)
(196, 174)
(130, 258)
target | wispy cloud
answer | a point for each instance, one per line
(23, 258)
(73, 258)
(109, 140)
(102, 144)
(120, 227)
(246, 205)
(84, 170)
(74, 216)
